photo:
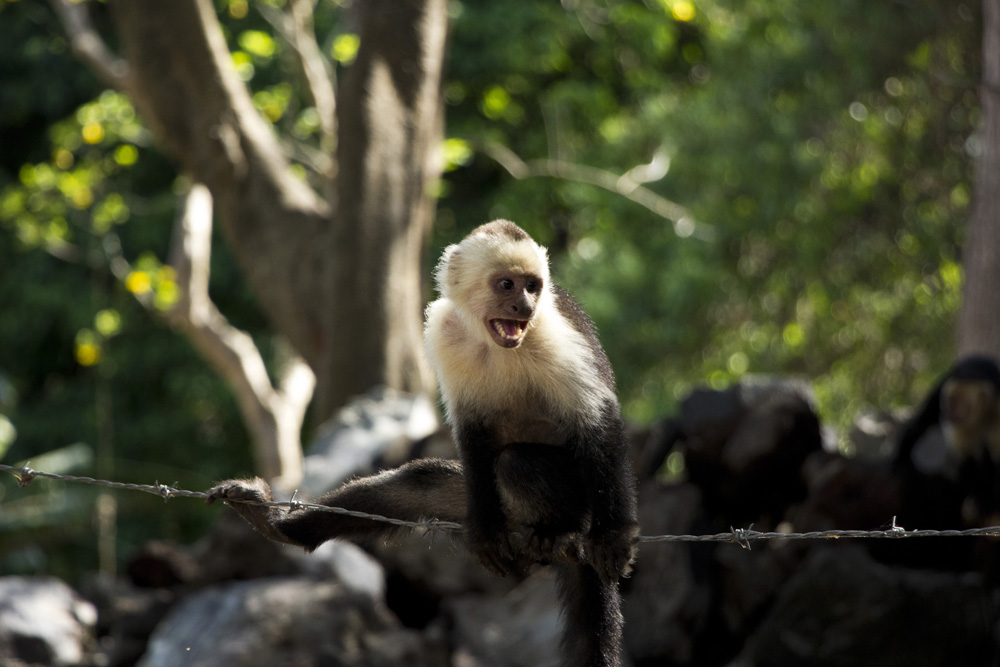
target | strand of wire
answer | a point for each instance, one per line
(25, 475)
(740, 536)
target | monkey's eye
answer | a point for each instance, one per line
(507, 284)
(532, 287)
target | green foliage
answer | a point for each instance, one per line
(825, 143)
(83, 367)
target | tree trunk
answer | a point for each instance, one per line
(341, 280)
(387, 142)
(979, 320)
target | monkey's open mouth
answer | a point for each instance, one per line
(508, 333)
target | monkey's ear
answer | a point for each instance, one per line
(446, 273)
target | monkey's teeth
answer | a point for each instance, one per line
(518, 326)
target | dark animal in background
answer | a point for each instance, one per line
(743, 446)
(543, 475)
(949, 453)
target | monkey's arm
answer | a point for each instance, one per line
(486, 524)
(614, 525)
(419, 490)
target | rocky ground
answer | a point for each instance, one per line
(752, 454)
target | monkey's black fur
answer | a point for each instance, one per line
(543, 475)
(947, 463)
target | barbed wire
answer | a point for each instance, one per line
(25, 475)
(740, 536)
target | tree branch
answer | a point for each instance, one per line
(274, 417)
(229, 350)
(685, 224)
(186, 89)
(88, 46)
(296, 27)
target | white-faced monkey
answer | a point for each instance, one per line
(948, 455)
(530, 397)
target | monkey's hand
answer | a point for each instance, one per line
(253, 490)
(611, 552)
(244, 491)
(491, 545)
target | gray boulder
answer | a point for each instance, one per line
(44, 622)
(520, 629)
(843, 609)
(285, 621)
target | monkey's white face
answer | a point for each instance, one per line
(512, 306)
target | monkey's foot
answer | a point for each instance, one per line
(494, 550)
(611, 553)
(548, 547)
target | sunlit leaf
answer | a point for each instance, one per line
(62, 158)
(682, 10)
(457, 153)
(87, 348)
(92, 132)
(495, 102)
(138, 282)
(257, 43)
(238, 8)
(108, 322)
(126, 155)
(345, 48)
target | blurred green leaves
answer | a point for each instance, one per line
(827, 143)
(74, 192)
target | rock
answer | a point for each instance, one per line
(381, 424)
(744, 446)
(285, 621)
(846, 494)
(520, 629)
(873, 434)
(348, 564)
(747, 583)
(127, 615)
(44, 622)
(843, 609)
(667, 598)
(159, 564)
(423, 570)
(233, 550)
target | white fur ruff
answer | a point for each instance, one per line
(552, 374)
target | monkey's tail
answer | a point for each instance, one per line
(592, 616)
(419, 490)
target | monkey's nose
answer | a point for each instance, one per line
(522, 310)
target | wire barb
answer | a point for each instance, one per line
(742, 536)
(294, 504)
(24, 476)
(165, 491)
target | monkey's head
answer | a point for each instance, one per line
(970, 403)
(496, 278)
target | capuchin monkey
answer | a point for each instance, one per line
(955, 438)
(543, 475)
